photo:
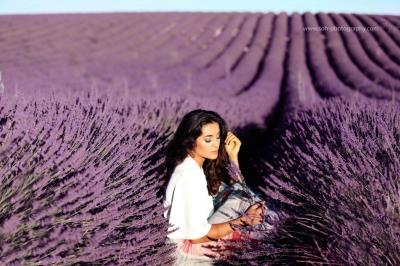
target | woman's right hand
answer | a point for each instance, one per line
(254, 214)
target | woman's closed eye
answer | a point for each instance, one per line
(209, 140)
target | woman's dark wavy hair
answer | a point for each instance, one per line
(183, 141)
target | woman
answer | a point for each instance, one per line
(197, 160)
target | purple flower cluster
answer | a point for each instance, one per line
(336, 172)
(79, 182)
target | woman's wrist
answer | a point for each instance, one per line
(235, 160)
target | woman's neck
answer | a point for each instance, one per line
(199, 160)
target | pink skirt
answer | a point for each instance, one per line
(196, 254)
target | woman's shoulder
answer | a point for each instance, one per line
(188, 178)
(188, 166)
(187, 175)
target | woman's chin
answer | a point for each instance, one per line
(213, 157)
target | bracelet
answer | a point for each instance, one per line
(243, 223)
(233, 229)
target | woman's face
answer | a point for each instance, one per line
(207, 144)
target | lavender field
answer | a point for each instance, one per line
(89, 101)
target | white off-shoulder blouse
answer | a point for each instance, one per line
(188, 202)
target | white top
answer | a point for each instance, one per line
(188, 202)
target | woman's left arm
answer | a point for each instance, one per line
(232, 147)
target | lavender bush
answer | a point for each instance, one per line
(79, 182)
(335, 170)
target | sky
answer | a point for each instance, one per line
(381, 7)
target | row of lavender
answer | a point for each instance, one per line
(334, 170)
(189, 52)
